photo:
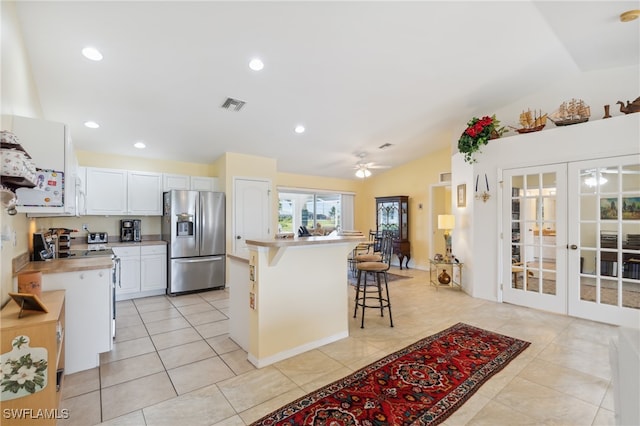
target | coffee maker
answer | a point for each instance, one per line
(130, 230)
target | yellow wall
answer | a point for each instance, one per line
(290, 180)
(412, 179)
(233, 165)
(93, 159)
(19, 97)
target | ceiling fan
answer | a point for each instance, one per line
(363, 169)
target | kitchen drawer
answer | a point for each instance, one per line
(126, 251)
(158, 249)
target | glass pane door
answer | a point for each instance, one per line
(534, 213)
(605, 260)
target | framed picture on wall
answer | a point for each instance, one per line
(462, 195)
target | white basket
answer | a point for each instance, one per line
(8, 137)
(17, 164)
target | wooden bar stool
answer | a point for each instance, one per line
(369, 295)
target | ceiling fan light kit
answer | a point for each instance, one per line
(363, 173)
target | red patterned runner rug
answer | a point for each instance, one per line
(422, 384)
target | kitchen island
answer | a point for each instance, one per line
(293, 296)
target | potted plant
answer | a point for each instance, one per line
(478, 132)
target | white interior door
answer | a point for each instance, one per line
(604, 240)
(534, 237)
(252, 207)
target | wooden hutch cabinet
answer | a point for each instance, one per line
(392, 214)
(33, 362)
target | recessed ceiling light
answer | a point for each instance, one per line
(140, 145)
(91, 124)
(256, 64)
(92, 53)
(299, 128)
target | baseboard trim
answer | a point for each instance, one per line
(263, 362)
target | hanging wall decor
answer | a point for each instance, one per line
(484, 195)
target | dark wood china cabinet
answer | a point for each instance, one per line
(392, 214)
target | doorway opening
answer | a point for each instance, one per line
(440, 200)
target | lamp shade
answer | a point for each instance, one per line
(446, 221)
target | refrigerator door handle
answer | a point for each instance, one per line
(197, 223)
(198, 260)
(201, 225)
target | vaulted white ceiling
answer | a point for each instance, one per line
(357, 75)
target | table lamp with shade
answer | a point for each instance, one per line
(447, 222)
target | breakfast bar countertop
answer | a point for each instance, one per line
(304, 241)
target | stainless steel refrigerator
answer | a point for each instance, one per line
(193, 225)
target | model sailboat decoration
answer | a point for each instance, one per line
(531, 122)
(572, 112)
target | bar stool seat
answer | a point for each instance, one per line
(369, 257)
(369, 295)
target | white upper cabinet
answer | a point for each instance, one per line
(203, 183)
(122, 192)
(144, 193)
(45, 141)
(170, 182)
(117, 192)
(106, 191)
(194, 183)
(49, 145)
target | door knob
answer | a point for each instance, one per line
(238, 237)
(573, 247)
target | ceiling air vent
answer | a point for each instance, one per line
(233, 104)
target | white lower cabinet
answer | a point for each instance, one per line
(153, 268)
(129, 283)
(88, 306)
(143, 271)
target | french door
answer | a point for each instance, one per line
(571, 239)
(534, 237)
(604, 255)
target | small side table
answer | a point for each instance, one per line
(453, 269)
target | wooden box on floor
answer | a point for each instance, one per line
(44, 331)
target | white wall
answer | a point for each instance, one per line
(476, 237)
(19, 97)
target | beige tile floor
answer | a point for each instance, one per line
(174, 363)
